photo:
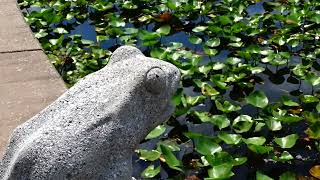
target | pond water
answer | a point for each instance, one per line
(275, 81)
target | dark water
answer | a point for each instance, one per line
(276, 83)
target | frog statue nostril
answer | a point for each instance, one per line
(155, 80)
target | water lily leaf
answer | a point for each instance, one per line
(314, 131)
(60, 30)
(131, 30)
(255, 140)
(200, 28)
(274, 125)
(156, 132)
(173, 4)
(309, 98)
(219, 81)
(257, 99)
(214, 42)
(171, 144)
(195, 39)
(117, 23)
(56, 42)
(312, 79)
(148, 155)
(87, 42)
(145, 18)
(288, 102)
(164, 30)
(318, 107)
(102, 38)
(42, 33)
(129, 5)
(260, 149)
(233, 60)
(232, 139)
(209, 51)
(311, 116)
(256, 70)
(193, 100)
(208, 90)
(239, 161)
(222, 171)
(227, 106)
(219, 158)
(285, 156)
(150, 172)
(242, 123)
(259, 126)
(261, 176)
(287, 141)
(170, 158)
(225, 20)
(158, 53)
(316, 18)
(315, 171)
(207, 146)
(288, 175)
(219, 120)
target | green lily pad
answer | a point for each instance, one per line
(273, 124)
(219, 158)
(261, 176)
(156, 132)
(200, 28)
(195, 39)
(309, 98)
(314, 131)
(288, 175)
(170, 158)
(148, 155)
(214, 42)
(219, 120)
(150, 172)
(257, 99)
(233, 60)
(232, 139)
(164, 30)
(242, 123)
(260, 149)
(287, 141)
(288, 102)
(222, 171)
(255, 140)
(227, 107)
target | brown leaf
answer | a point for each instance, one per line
(315, 171)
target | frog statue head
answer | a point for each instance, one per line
(91, 131)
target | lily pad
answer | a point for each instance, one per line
(257, 99)
(287, 141)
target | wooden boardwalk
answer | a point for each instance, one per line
(28, 81)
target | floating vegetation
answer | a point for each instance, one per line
(249, 101)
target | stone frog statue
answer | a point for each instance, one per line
(91, 131)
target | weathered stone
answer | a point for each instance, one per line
(91, 131)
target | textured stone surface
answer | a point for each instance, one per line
(15, 34)
(91, 131)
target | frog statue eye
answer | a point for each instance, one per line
(155, 80)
